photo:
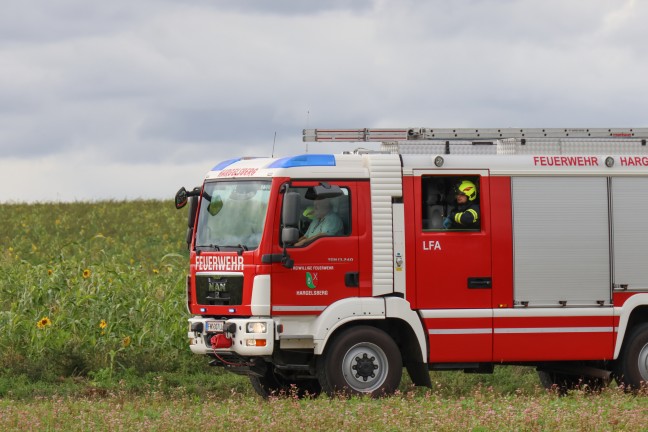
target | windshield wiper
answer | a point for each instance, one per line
(211, 246)
(240, 248)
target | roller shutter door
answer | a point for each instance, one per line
(630, 233)
(561, 241)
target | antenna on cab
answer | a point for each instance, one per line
(273, 143)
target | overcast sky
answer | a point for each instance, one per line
(126, 99)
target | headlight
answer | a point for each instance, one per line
(256, 327)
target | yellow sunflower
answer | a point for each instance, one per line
(103, 324)
(43, 322)
(126, 341)
(86, 273)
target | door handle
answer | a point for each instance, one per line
(352, 279)
(480, 282)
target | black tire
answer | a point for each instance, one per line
(274, 385)
(632, 365)
(562, 383)
(360, 360)
(558, 382)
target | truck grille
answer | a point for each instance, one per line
(212, 290)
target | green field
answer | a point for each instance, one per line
(92, 288)
(93, 337)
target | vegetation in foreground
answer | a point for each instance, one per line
(92, 337)
(481, 410)
(94, 293)
(92, 288)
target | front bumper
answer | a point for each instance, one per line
(247, 336)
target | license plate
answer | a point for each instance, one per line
(215, 326)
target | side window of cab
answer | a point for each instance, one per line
(322, 217)
(450, 203)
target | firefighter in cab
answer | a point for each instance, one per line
(466, 214)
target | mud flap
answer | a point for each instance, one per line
(419, 374)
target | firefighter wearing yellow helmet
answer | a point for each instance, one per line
(466, 214)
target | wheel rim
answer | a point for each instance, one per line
(365, 367)
(643, 363)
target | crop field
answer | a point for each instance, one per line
(93, 337)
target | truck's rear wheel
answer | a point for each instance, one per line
(632, 365)
(557, 381)
(562, 382)
(361, 360)
(272, 384)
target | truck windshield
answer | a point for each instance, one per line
(232, 215)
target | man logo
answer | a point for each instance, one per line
(217, 285)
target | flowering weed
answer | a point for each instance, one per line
(484, 410)
(87, 274)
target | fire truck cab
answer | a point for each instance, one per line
(333, 272)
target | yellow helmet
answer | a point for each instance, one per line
(467, 188)
(309, 212)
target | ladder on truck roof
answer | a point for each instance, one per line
(509, 141)
(407, 134)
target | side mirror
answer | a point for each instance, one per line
(289, 235)
(291, 209)
(193, 209)
(181, 198)
(215, 205)
(191, 221)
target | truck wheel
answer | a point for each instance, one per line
(361, 360)
(274, 385)
(557, 381)
(268, 385)
(632, 365)
(562, 383)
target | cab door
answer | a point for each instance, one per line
(454, 268)
(324, 270)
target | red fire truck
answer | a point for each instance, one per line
(552, 271)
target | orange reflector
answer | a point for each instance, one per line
(255, 342)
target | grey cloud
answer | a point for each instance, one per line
(285, 7)
(547, 23)
(53, 20)
(168, 81)
(205, 125)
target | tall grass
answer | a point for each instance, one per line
(482, 410)
(93, 337)
(92, 287)
(97, 291)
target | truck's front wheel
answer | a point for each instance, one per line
(632, 365)
(360, 360)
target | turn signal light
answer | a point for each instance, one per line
(255, 342)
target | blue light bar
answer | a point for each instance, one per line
(306, 160)
(225, 164)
